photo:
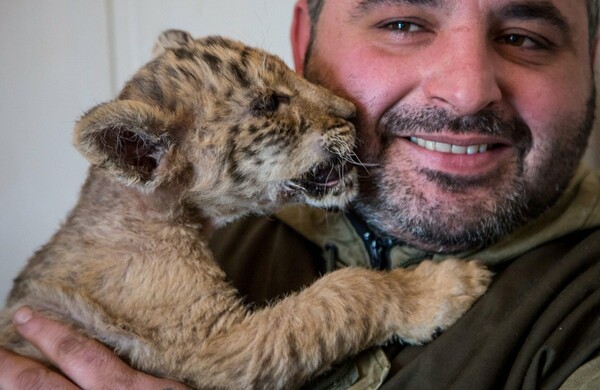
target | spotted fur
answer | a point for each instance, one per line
(206, 132)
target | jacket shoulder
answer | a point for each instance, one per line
(534, 327)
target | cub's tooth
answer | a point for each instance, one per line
(473, 149)
(459, 149)
(482, 148)
(442, 147)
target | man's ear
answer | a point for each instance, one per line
(172, 39)
(300, 34)
(129, 138)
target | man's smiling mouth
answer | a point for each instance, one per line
(443, 147)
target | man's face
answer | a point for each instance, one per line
(501, 90)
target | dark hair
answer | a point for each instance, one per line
(315, 6)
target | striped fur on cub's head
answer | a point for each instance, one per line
(255, 134)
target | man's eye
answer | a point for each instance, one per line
(521, 41)
(402, 26)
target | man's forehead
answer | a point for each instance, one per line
(366, 5)
(551, 11)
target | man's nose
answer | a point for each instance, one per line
(463, 77)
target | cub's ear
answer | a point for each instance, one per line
(129, 138)
(171, 39)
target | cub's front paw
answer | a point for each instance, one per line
(438, 294)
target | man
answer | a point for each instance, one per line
(473, 116)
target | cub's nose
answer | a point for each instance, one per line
(341, 107)
(333, 104)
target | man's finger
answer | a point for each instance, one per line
(20, 373)
(87, 362)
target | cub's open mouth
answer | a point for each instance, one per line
(321, 178)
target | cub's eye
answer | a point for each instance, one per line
(271, 103)
(268, 104)
(283, 99)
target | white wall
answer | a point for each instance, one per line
(61, 57)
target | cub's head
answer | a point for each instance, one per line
(230, 127)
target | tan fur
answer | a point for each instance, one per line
(208, 131)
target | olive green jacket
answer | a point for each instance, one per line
(538, 326)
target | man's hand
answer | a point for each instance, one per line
(85, 363)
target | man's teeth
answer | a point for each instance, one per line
(448, 148)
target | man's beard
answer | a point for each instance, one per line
(397, 207)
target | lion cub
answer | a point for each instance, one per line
(208, 131)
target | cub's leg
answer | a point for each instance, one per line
(284, 345)
(339, 315)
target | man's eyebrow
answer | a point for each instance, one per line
(364, 6)
(537, 10)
